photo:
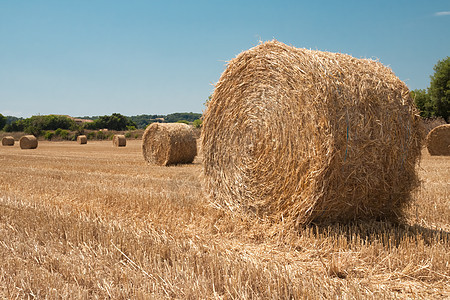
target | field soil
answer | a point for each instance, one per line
(96, 221)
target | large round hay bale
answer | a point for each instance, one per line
(8, 141)
(119, 140)
(28, 142)
(169, 143)
(305, 135)
(438, 140)
(82, 139)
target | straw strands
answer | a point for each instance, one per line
(28, 142)
(81, 139)
(119, 140)
(169, 143)
(305, 136)
(438, 140)
(8, 141)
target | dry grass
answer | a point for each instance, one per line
(140, 231)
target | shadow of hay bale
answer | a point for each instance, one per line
(390, 234)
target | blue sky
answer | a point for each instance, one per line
(96, 57)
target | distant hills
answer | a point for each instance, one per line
(142, 121)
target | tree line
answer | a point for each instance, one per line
(434, 101)
(37, 125)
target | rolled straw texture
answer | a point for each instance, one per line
(81, 139)
(305, 135)
(119, 140)
(28, 142)
(438, 140)
(8, 141)
(169, 143)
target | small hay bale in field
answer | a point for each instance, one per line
(310, 136)
(8, 141)
(28, 142)
(119, 140)
(438, 140)
(169, 143)
(81, 139)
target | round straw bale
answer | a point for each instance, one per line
(119, 140)
(28, 142)
(8, 141)
(81, 139)
(438, 140)
(310, 136)
(169, 143)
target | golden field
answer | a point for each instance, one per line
(95, 221)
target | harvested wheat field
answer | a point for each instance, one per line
(94, 222)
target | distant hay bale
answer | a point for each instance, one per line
(310, 136)
(119, 140)
(81, 139)
(169, 143)
(28, 142)
(8, 141)
(438, 140)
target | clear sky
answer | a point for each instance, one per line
(97, 57)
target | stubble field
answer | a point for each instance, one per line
(94, 221)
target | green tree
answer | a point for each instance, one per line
(114, 122)
(423, 103)
(11, 119)
(143, 120)
(175, 117)
(15, 126)
(2, 121)
(52, 122)
(48, 135)
(64, 134)
(36, 124)
(197, 123)
(440, 89)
